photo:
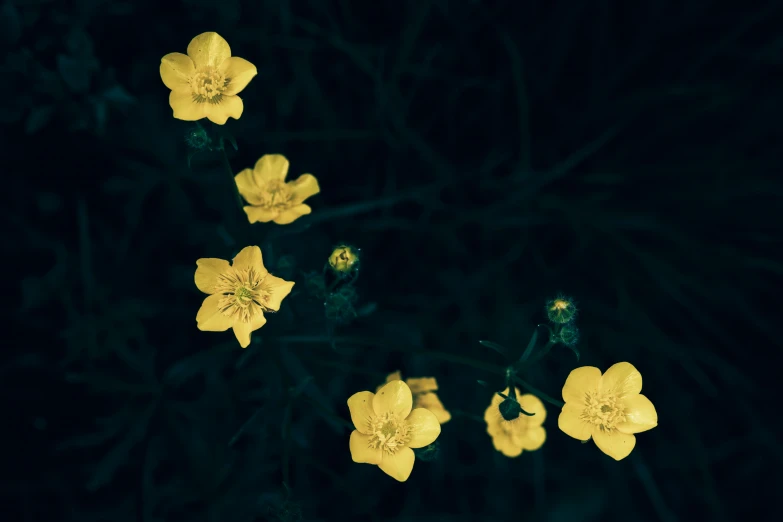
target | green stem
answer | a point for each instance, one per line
(230, 172)
(539, 393)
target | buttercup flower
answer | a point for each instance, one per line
(343, 259)
(387, 428)
(269, 196)
(608, 408)
(205, 82)
(523, 433)
(239, 294)
(423, 390)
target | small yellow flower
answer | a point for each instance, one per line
(205, 82)
(608, 408)
(424, 396)
(387, 427)
(270, 197)
(239, 294)
(343, 259)
(523, 433)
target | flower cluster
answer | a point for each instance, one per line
(401, 415)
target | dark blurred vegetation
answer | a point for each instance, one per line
(484, 156)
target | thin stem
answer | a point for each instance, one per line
(230, 172)
(539, 393)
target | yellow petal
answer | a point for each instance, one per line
(209, 49)
(399, 465)
(580, 381)
(493, 419)
(210, 318)
(615, 444)
(640, 415)
(532, 404)
(422, 384)
(431, 402)
(270, 167)
(424, 426)
(503, 443)
(239, 72)
(292, 214)
(250, 257)
(361, 451)
(229, 106)
(395, 397)
(360, 406)
(533, 438)
(185, 108)
(303, 187)
(176, 70)
(243, 330)
(570, 423)
(278, 290)
(622, 379)
(260, 214)
(394, 376)
(247, 187)
(208, 270)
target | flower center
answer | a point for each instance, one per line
(604, 410)
(208, 85)
(276, 195)
(389, 433)
(244, 296)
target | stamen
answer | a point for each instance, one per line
(276, 195)
(208, 85)
(389, 433)
(244, 296)
(604, 410)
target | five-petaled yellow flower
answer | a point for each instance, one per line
(423, 390)
(387, 427)
(205, 82)
(239, 294)
(608, 408)
(523, 433)
(270, 197)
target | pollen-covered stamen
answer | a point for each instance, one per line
(208, 85)
(276, 195)
(244, 296)
(604, 410)
(389, 433)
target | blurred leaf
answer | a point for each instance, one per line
(75, 72)
(117, 95)
(38, 118)
(10, 24)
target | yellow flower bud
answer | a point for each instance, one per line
(561, 310)
(344, 259)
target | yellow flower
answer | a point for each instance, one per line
(239, 294)
(205, 82)
(387, 427)
(608, 408)
(270, 197)
(523, 433)
(343, 258)
(424, 396)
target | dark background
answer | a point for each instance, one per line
(484, 156)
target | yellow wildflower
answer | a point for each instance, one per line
(523, 433)
(387, 427)
(343, 259)
(608, 408)
(270, 197)
(423, 390)
(239, 294)
(205, 82)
